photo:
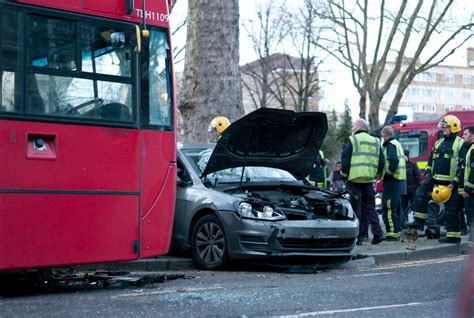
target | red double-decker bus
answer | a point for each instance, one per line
(87, 132)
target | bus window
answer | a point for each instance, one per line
(416, 144)
(10, 62)
(104, 51)
(51, 42)
(157, 103)
(68, 96)
(100, 88)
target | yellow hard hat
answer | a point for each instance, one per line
(451, 121)
(219, 124)
(441, 193)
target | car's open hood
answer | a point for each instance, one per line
(271, 138)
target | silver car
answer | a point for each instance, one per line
(245, 197)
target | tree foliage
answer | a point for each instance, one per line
(331, 146)
(286, 72)
(345, 129)
(365, 35)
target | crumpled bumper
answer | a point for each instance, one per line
(249, 239)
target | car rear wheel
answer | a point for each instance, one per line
(208, 243)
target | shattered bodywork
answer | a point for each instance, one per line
(260, 207)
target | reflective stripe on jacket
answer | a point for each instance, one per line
(445, 164)
(365, 158)
(401, 172)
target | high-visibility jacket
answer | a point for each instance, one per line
(469, 171)
(401, 172)
(365, 158)
(445, 159)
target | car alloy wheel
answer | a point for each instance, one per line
(208, 242)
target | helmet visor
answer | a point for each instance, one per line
(443, 124)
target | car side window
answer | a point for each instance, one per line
(183, 175)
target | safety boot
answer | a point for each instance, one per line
(433, 232)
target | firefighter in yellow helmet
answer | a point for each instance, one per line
(218, 125)
(440, 176)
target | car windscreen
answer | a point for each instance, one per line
(198, 157)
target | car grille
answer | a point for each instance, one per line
(251, 239)
(317, 243)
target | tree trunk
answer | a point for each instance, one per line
(374, 113)
(211, 77)
(362, 106)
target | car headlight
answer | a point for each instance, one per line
(350, 211)
(259, 212)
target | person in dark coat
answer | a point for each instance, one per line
(413, 182)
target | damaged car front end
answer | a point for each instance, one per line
(247, 198)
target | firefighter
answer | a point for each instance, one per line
(362, 160)
(394, 177)
(319, 173)
(465, 216)
(440, 181)
(218, 125)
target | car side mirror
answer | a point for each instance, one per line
(180, 178)
(181, 182)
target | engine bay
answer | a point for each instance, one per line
(298, 203)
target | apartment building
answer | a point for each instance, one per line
(440, 89)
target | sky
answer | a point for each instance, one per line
(336, 84)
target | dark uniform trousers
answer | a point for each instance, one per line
(465, 214)
(392, 189)
(365, 208)
(451, 216)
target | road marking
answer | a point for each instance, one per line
(373, 274)
(417, 263)
(339, 311)
(167, 291)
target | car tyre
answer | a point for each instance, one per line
(208, 243)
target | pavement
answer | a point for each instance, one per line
(365, 256)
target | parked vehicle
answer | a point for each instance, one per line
(245, 198)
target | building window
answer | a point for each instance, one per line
(466, 79)
(466, 107)
(426, 77)
(449, 108)
(413, 91)
(430, 77)
(449, 94)
(432, 108)
(428, 92)
(466, 95)
(449, 78)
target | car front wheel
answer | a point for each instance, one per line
(208, 243)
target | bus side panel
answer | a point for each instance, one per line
(157, 225)
(79, 158)
(61, 229)
(158, 191)
(75, 201)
